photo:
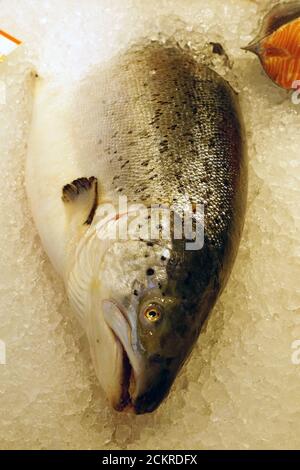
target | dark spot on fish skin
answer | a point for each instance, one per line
(172, 261)
(144, 133)
(124, 164)
(156, 358)
(150, 272)
(135, 292)
(149, 243)
(211, 142)
(188, 278)
(163, 258)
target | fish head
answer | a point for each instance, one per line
(150, 302)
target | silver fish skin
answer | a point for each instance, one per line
(170, 132)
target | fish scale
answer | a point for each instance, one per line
(179, 134)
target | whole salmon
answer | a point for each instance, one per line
(156, 128)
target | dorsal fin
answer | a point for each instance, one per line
(280, 15)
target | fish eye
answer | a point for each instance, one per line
(152, 313)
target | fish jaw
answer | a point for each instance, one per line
(110, 362)
(120, 328)
(119, 323)
(146, 380)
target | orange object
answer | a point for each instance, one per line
(7, 44)
(278, 44)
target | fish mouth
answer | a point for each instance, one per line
(118, 322)
(144, 381)
(124, 402)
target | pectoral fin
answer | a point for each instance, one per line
(81, 199)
